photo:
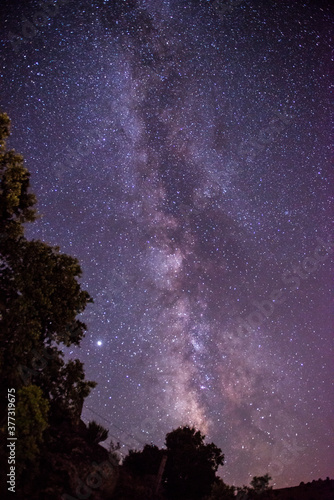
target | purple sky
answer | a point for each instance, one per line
(181, 152)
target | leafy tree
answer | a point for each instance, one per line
(138, 475)
(16, 203)
(40, 298)
(244, 493)
(221, 491)
(66, 387)
(260, 484)
(114, 455)
(190, 470)
(96, 433)
(145, 462)
(259, 489)
(191, 465)
(31, 421)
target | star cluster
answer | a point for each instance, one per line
(180, 150)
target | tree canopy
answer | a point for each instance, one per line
(221, 491)
(16, 203)
(260, 484)
(40, 298)
(145, 462)
(191, 464)
(259, 489)
(190, 468)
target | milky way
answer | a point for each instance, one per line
(180, 150)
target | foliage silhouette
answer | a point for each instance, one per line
(189, 472)
(145, 462)
(31, 422)
(221, 491)
(191, 465)
(96, 433)
(260, 484)
(40, 298)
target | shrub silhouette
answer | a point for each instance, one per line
(96, 433)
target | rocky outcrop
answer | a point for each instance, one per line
(71, 468)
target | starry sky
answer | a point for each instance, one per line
(180, 150)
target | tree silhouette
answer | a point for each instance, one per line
(32, 410)
(259, 489)
(260, 484)
(191, 465)
(221, 491)
(16, 203)
(145, 462)
(40, 297)
(96, 433)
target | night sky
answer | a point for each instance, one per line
(181, 151)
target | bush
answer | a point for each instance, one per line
(96, 433)
(31, 422)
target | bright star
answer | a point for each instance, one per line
(99, 342)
